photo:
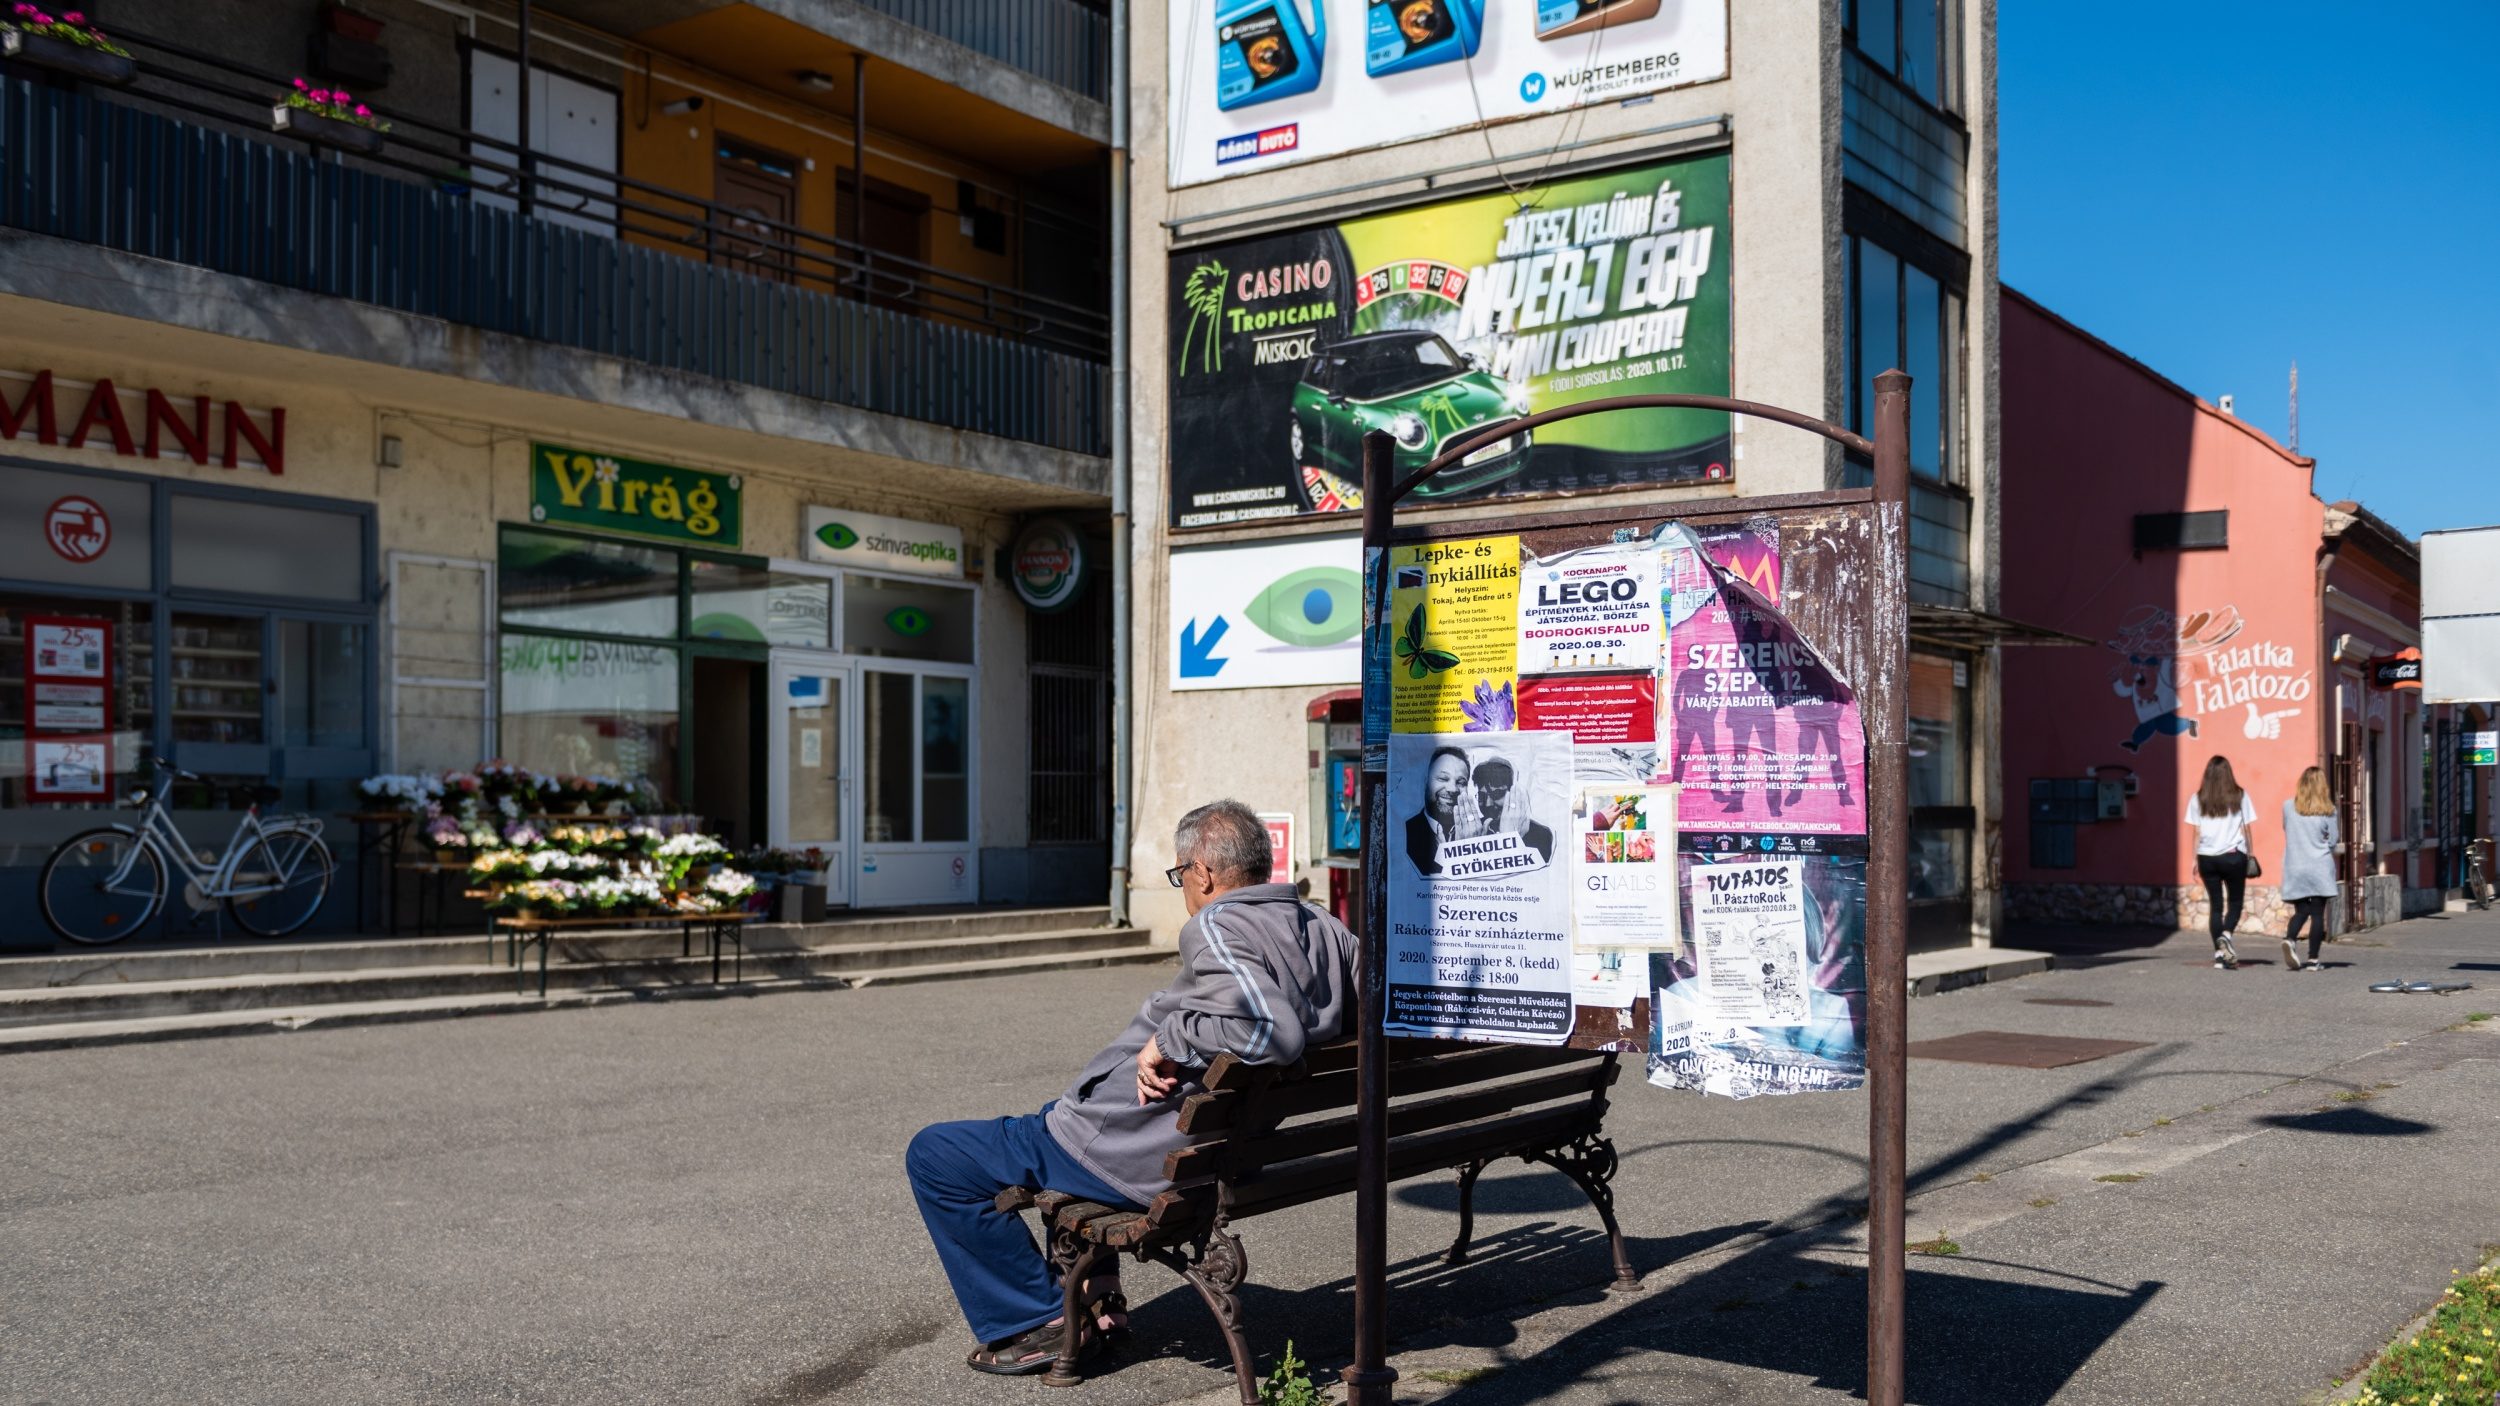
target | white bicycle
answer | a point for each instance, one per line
(103, 885)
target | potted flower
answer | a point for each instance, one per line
(688, 857)
(331, 117)
(724, 890)
(493, 868)
(64, 43)
(411, 794)
(538, 898)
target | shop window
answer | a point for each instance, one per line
(591, 707)
(555, 582)
(2176, 532)
(97, 532)
(1939, 738)
(906, 619)
(945, 783)
(124, 745)
(321, 683)
(2058, 805)
(217, 680)
(740, 600)
(238, 546)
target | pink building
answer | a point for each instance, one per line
(2232, 613)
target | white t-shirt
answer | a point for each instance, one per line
(2222, 834)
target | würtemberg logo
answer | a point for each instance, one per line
(1532, 88)
(1262, 143)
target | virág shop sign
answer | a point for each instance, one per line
(611, 493)
(140, 424)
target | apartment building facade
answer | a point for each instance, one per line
(743, 431)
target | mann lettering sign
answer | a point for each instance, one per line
(884, 543)
(610, 493)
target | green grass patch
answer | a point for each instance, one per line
(2479, 1016)
(2163, 1122)
(1290, 1384)
(1981, 1176)
(2122, 1178)
(1457, 1376)
(2352, 1096)
(1941, 1245)
(2042, 1203)
(2454, 1360)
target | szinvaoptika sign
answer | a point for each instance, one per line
(611, 493)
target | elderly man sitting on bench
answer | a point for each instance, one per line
(1263, 975)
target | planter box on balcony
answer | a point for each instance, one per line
(328, 131)
(62, 56)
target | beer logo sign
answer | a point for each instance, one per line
(77, 529)
(1047, 565)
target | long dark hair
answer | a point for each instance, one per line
(2221, 794)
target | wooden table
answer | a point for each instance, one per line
(387, 831)
(729, 927)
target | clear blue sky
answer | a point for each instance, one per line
(2223, 187)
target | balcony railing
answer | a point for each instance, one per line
(1058, 41)
(605, 263)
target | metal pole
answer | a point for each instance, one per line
(529, 167)
(859, 166)
(1886, 715)
(1369, 1381)
(1122, 712)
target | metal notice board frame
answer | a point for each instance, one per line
(1845, 576)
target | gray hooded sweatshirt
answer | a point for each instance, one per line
(1263, 974)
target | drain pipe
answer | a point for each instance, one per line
(1123, 707)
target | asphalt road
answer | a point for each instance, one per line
(703, 1202)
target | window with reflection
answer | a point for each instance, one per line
(555, 582)
(1913, 40)
(906, 619)
(591, 707)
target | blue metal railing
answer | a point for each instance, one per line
(88, 169)
(1059, 41)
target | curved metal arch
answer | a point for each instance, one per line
(1468, 441)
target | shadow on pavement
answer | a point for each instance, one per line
(1972, 1341)
(2349, 1122)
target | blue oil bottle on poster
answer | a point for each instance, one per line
(1408, 34)
(1265, 49)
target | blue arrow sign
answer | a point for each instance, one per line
(1198, 650)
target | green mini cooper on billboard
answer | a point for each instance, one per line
(1418, 388)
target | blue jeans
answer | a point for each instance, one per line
(1000, 1278)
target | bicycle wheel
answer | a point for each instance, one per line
(81, 896)
(285, 877)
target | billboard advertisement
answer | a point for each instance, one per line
(1261, 84)
(1426, 322)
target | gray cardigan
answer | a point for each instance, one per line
(2308, 854)
(1263, 975)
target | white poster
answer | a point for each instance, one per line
(1267, 616)
(1591, 610)
(72, 651)
(1479, 887)
(1749, 941)
(1259, 84)
(1623, 885)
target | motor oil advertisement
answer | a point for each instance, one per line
(1260, 84)
(1447, 318)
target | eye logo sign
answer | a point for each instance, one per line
(837, 536)
(909, 621)
(1314, 608)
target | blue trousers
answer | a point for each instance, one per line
(1001, 1279)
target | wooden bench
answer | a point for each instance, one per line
(1269, 1138)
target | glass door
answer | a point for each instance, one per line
(918, 798)
(813, 732)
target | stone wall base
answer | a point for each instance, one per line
(2262, 909)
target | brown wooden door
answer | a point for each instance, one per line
(757, 201)
(895, 222)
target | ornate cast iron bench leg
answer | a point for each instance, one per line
(1466, 1213)
(1216, 1267)
(1590, 1161)
(1074, 1316)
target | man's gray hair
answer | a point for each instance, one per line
(1229, 838)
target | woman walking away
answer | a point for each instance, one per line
(2222, 813)
(2309, 839)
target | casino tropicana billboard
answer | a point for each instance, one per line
(1287, 348)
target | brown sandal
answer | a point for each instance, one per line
(1029, 1353)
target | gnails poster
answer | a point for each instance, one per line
(1432, 321)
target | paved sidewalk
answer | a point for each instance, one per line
(703, 1202)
